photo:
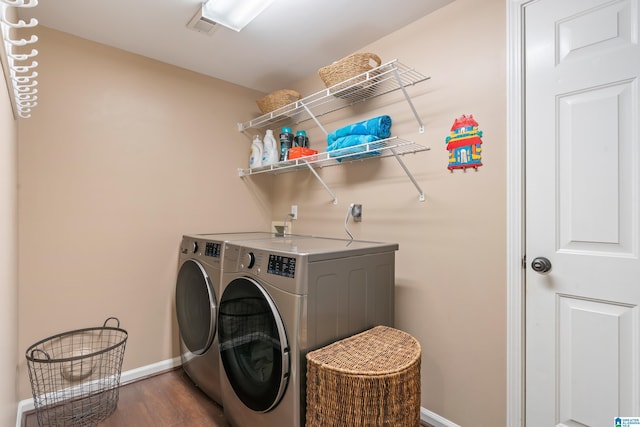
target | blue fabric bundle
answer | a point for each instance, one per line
(349, 139)
(378, 126)
(351, 145)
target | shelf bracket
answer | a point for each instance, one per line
(406, 95)
(406, 170)
(313, 116)
(326, 187)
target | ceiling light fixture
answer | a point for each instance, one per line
(234, 14)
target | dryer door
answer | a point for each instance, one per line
(253, 345)
(195, 307)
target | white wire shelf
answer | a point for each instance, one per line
(372, 150)
(394, 146)
(383, 79)
(378, 81)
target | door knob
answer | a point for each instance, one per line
(541, 264)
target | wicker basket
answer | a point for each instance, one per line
(277, 99)
(369, 379)
(348, 67)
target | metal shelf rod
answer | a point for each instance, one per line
(406, 95)
(409, 174)
(315, 119)
(326, 187)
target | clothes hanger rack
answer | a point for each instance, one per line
(20, 74)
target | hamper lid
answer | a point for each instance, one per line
(380, 350)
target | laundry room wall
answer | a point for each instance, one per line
(8, 257)
(450, 268)
(122, 156)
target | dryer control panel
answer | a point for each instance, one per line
(282, 266)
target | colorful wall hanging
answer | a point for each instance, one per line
(464, 144)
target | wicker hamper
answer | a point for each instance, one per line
(369, 379)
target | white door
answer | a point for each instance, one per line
(582, 212)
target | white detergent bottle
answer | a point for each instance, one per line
(271, 153)
(257, 150)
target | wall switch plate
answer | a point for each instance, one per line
(294, 211)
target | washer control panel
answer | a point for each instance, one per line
(212, 249)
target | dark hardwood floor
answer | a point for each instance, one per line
(166, 400)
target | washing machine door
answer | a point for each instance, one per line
(195, 307)
(253, 344)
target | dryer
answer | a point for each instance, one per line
(197, 298)
(284, 297)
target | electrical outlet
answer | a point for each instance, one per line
(356, 213)
(294, 211)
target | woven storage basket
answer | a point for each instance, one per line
(277, 99)
(369, 379)
(348, 67)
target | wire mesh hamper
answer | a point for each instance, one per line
(75, 375)
(369, 379)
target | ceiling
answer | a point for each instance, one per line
(288, 42)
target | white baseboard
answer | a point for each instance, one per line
(145, 371)
(166, 365)
(434, 419)
(126, 377)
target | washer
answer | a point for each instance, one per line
(197, 299)
(284, 297)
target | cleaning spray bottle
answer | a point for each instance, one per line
(271, 153)
(256, 152)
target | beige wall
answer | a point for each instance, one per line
(124, 155)
(450, 269)
(8, 258)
